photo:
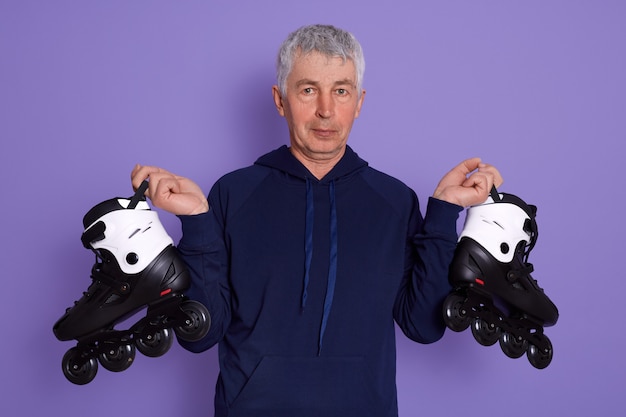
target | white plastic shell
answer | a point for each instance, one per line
(496, 226)
(135, 237)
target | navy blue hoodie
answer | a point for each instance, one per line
(304, 278)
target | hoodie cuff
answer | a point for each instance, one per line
(441, 217)
(196, 230)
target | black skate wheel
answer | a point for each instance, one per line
(197, 322)
(540, 358)
(156, 344)
(117, 358)
(77, 369)
(454, 314)
(513, 347)
(485, 333)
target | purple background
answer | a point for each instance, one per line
(88, 89)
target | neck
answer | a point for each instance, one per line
(318, 166)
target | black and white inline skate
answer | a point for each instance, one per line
(493, 291)
(137, 267)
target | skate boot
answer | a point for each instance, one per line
(493, 289)
(137, 267)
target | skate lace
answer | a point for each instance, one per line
(90, 290)
(100, 278)
(530, 227)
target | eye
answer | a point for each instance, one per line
(307, 90)
(342, 91)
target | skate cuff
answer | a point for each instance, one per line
(441, 217)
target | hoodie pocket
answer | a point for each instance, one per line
(315, 386)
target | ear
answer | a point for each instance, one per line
(359, 104)
(278, 100)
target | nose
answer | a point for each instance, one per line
(325, 106)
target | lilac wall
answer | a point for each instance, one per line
(87, 89)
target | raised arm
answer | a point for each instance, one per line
(468, 183)
(170, 192)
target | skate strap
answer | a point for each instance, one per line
(94, 233)
(494, 194)
(120, 287)
(515, 274)
(139, 195)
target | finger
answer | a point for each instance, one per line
(458, 174)
(480, 183)
(144, 172)
(166, 186)
(139, 174)
(158, 181)
(476, 181)
(495, 176)
(468, 165)
(136, 177)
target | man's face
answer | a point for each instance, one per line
(320, 106)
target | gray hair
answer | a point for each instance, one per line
(325, 39)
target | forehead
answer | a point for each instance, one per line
(318, 67)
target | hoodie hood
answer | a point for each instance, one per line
(283, 160)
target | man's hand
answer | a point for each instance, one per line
(468, 184)
(170, 192)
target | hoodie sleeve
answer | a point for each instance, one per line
(203, 249)
(430, 248)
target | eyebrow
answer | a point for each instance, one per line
(305, 81)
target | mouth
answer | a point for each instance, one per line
(323, 133)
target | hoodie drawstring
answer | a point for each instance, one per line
(308, 240)
(332, 268)
(308, 247)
